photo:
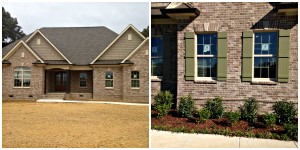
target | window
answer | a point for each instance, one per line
(207, 55)
(82, 79)
(135, 79)
(129, 37)
(156, 56)
(22, 77)
(109, 79)
(265, 54)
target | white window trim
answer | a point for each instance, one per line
(196, 78)
(263, 55)
(22, 78)
(83, 80)
(109, 79)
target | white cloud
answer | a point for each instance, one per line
(115, 16)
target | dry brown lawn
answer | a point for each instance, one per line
(32, 124)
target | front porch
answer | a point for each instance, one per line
(68, 84)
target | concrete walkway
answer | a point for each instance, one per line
(91, 102)
(164, 139)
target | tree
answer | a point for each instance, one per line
(11, 31)
(145, 32)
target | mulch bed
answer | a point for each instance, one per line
(173, 120)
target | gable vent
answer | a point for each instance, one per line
(38, 41)
(129, 37)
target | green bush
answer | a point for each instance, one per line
(204, 114)
(269, 120)
(285, 111)
(186, 106)
(163, 103)
(291, 131)
(249, 110)
(215, 107)
(233, 117)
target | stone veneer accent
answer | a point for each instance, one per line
(234, 18)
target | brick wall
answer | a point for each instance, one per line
(141, 64)
(234, 18)
(99, 90)
(36, 82)
(74, 82)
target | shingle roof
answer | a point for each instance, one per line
(80, 45)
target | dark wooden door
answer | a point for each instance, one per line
(60, 81)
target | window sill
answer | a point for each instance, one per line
(109, 88)
(206, 81)
(21, 87)
(135, 88)
(264, 83)
(156, 78)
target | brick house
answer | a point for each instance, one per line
(77, 63)
(232, 50)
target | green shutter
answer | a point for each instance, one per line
(189, 56)
(283, 55)
(247, 56)
(222, 56)
(167, 64)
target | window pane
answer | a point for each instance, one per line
(257, 49)
(17, 82)
(156, 66)
(200, 38)
(265, 67)
(200, 49)
(26, 68)
(273, 49)
(207, 67)
(108, 75)
(265, 37)
(18, 68)
(108, 83)
(273, 37)
(26, 74)
(257, 38)
(26, 82)
(82, 83)
(214, 39)
(135, 83)
(135, 75)
(83, 76)
(17, 74)
(206, 38)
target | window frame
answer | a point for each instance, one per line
(157, 78)
(204, 56)
(105, 79)
(22, 78)
(138, 79)
(264, 56)
(85, 80)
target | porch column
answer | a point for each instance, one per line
(45, 81)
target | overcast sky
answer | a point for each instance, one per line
(115, 16)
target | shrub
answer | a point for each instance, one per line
(291, 131)
(269, 120)
(204, 114)
(233, 117)
(186, 106)
(249, 110)
(163, 103)
(285, 111)
(215, 107)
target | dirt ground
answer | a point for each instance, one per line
(32, 124)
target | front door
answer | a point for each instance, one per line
(60, 81)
